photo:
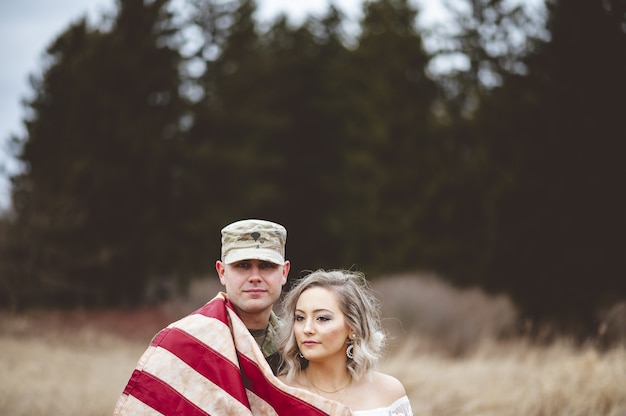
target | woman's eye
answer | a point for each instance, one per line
(298, 318)
(323, 318)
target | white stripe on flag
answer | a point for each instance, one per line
(193, 385)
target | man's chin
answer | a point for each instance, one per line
(258, 304)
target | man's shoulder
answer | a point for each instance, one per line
(275, 320)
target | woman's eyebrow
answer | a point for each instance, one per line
(315, 310)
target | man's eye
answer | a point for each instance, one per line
(243, 264)
(268, 265)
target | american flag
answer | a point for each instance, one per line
(208, 363)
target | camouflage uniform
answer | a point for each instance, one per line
(270, 343)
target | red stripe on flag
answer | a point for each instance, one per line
(161, 397)
(206, 361)
(283, 402)
(157, 338)
(132, 382)
(215, 309)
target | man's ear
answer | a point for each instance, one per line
(220, 267)
(286, 268)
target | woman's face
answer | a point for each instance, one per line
(320, 327)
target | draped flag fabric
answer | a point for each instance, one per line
(208, 363)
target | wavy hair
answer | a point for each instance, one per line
(362, 313)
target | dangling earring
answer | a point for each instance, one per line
(299, 354)
(350, 351)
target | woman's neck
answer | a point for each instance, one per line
(327, 378)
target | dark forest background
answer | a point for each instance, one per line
(506, 173)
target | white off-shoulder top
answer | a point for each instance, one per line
(400, 407)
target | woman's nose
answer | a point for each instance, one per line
(308, 326)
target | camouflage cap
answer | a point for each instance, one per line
(254, 239)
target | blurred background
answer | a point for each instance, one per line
(466, 155)
(484, 148)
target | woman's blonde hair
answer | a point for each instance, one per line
(362, 313)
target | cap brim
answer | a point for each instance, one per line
(254, 254)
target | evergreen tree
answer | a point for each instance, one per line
(560, 225)
(483, 105)
(95, 201)
(266, 127)
(228, 157)
(309, 67)
(390, 153)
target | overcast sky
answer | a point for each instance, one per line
(28, 26)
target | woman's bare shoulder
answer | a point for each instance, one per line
(388, 386)
(376, 390)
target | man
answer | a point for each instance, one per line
(221, 359)
(253, 270)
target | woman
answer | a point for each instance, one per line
(332, 340)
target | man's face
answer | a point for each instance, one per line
(253, 286)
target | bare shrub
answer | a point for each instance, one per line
(456, 320)
(612, 330)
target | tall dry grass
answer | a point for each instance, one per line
(78, 364)
(64, 378)
(514, 379)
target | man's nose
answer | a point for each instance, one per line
(255, 273)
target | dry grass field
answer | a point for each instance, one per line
(78, 363)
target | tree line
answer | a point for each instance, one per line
(506, 173)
